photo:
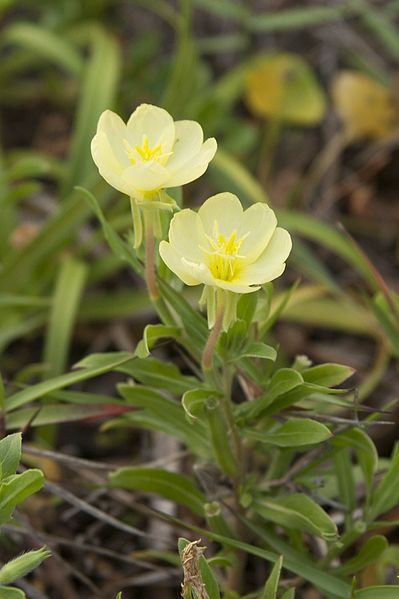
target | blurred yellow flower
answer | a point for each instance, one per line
(283, 87)
(364, 105)
(226, 248)
(150, 152)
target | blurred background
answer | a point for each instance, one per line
(303, 99)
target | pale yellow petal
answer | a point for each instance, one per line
(225, 210)
(186, 235)
(108, 165)
(153, 122)
(270, 263)
(114, 128)
(201, 272)
(188, 142)
(257, 226)
(145, 176)
(174, 261)
(195, 167)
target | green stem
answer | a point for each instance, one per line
(137, 223)
(210, 346)
(150, 257)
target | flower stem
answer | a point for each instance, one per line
(149, 256)
(209, 348)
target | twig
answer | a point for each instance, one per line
(90, 509)
(85, 547)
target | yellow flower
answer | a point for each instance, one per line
(365, 106)
(226, 248)
(150, 152)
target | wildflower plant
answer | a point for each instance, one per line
(278, 464)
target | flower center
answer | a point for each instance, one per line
(145, 152)
(224, 257)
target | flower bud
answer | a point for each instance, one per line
(22, 565)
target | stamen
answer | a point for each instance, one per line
(224, 254)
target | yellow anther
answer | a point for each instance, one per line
(224, 257)
(147, 153)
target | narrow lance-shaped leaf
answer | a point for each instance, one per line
(298, 432)
(297, 512)
(271, 586)
(386, 494)
(68, 289)
(152, 333)
(364, 448)
(171, 485)
(327, 375)
(91, 367)
(368, 554)
(16, 489)
(10, 454)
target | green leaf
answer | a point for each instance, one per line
(257, 349)
(119, 595)
(382, 312)
(58, 413)
(365, 450)
(152, 333)
(289, 594)
(10, 454)
(20, 267)
(161, 375)
(271, 586)
(327, 236)
(195, 325)
(368, 554)
(381, 26)
(297, 512)
(346, 483)
(283, 381)
(378, 592)
(194, 400)
(295, 18)
(222, 450)
(67, 294)
(297, 432)
(11, 593)
(121, 249)
(271, 319)
(327, 375)
(91, 366)
(17, 488)
(167, 484)
(98, 86)
(40, 41)
(163, 414)
(246, 307)
(386, 495)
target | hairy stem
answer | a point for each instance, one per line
(210, 346)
